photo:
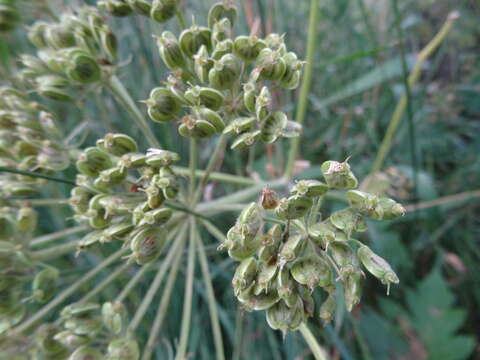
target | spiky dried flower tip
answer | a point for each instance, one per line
(279, 269)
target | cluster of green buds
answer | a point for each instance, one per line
(87, 331)
(224, 83)
(281, 267)
(77, 50)
(158, 10)
(121, 193)
(9, 16)
(30, 140)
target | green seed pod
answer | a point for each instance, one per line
(377, 266)
(352, 287)
(59, 36)
(86, 352)
(115, 7)
(275, 41)
(155, 196)
(225, 72)
(244, 275)
(291, 249)
(251, 216)
(249, 97)
(290, 81)
(272, 65)
(338, 175)
(160, 158)
(110, 177)
(44, 339)
(193, 127)
(240, 244)
(221, 31)
(132, 160)
(27, 219)
(293, 129)
(291, 78)
(120, 230)
(309, 188)
(163, 106)
(323, 233)
(79, 199)
(245, 140)
(156, 217)
(98, 219)
(117, 144)
(36, 34)
(265, 278)
(109, 43)
(142, 7)
(293, 207)
(348, 221)
(272, 127)
(210, 98)
(170, 51)
(365, 203)
(220, 10)
(390, 208)
(193, 38)
(344, 257)
(248, 48)
(327, 309)
(269, 199)
(286, 287)
(284, 318)
(312, 271)
(262, 301)
(92, 161)
(271, 243)
(262, 104)
(163, 10)
(123, 349)
(222, 48)
(91, 238)
(82, 67)
(307, 299)
(44, 285)
(114, 315)
(212, 117)
(203, 63)
(239, 125)
(168, 182)
(71, 340)
(148, 244)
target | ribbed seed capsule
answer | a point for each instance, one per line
(170, 51)
(348, 221)
(44, 284)
(265, 278)
(338, 175)
(208, 97)
(310, 188)
(110, 177)
(224, 73)
(92, 161)
(249, 96)
(109, 43)
(59, 36)
(377, 266)
(293, 207)
(159, 158)
(262, 301)
(114, 315)
(251, 216)
(262, 104)
(245, 140)
(115, 7)
(123, 349)
(203, 64)
(193, 38)
(163, 106)
(193, 127)
(271, 64)
(272, 127)
(212, 117)
(284, 318)
(274, 41)
(147, 244)
(155, 196)
(312, 271)
(244, 274)
(117, 144)
(83, 68)
(163, 10)
(156, 217)
(344, 257)
(291, 78)
(239, 125)
(241, 245)
(291, 249)
(248, 48)
(222, 48)
(221, 10)
(390, 208)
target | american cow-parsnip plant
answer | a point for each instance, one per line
(149, 214)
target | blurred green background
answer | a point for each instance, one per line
(358, 79)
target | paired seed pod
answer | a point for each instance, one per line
(147, 244)
(163, 106)
(222, 10)
(293, 207)
(117, 144)
(312, 271)
(338, 175)
(224, 72)
(193, 38)
(163, 10)
(170, 51)
(377, 266)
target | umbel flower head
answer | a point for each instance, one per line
(282, 265)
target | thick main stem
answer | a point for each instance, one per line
(306, 82)
(317, 351)
(122, 95)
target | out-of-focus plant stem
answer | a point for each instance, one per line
(317, 351)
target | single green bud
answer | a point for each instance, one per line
(251, 216)
(245, 140)
(272, 127)
(344, 257)
(327, 309)
(377, 266)
(352, 287)
(291, 249)
(390, 208)
(163, 10)
(123, 349)
(269, 199)
(239, 125)
(250, 96)
(265, 278)
(117, 144)
(156, 217)
(193, 38)
(262, 104)
(142, 7)
(244, 275)
(291, 78)
(86, 352)
(98, 219)
(225, 72)
(27, 219)
(170, 51)
(193, 127)
(348, 221)
(338, 175)
(220, 10)
(284, 318)
(271, 64)
(309, 188)
(82, 68)
(147, 244)
(115, 7)
(114, 315)
(312, 271)
(160, 158)
(36, 34)
(248, 48)
(208, 97)
(293, 207)
(212, 117)
(163, 106)
(59, 36)
(44, 284)
(222, 48)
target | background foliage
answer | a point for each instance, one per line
(357, 81)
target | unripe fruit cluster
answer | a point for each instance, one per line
(72, 52)
(158, 10)
(121, 192)
(224, 83)
(280, 268)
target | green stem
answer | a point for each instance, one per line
(187, 298)
(212, 303)
(35, 175)
(318, 352)
(181, 19)
(67, 292)
(412, 80)
(214, 231)
(42, 240)
(54, 251)
(122, 95)
(43, 202)
(134, 281)
(217, 176)
(192, 167)
(306, 82)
